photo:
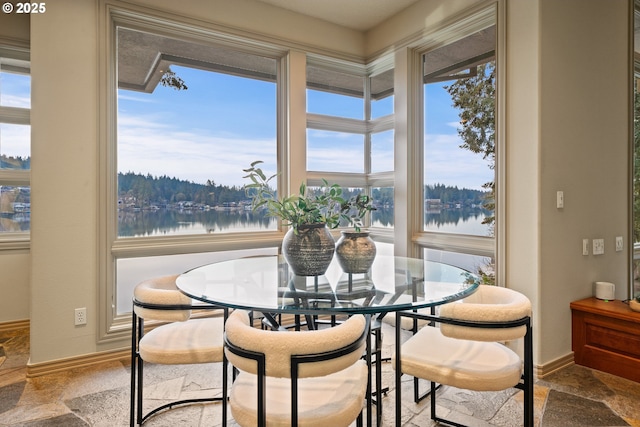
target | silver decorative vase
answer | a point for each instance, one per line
(355, 251)
(309, 252)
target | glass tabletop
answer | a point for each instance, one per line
(266, 284)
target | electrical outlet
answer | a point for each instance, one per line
(598, 246)
(618, 243)
(80, 316)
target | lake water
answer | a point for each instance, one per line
(168, 222)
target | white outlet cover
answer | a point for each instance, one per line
(598, 246)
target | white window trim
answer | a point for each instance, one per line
(477, 245)
(364, 127)
(111, 326)
(15, 177)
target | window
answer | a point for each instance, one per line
(459, 106)
(191, 116)
(334, 93)
(329, 151)
(382, 151)
(15, 144)
(335, 120)
(350, 131)
(459, 123)
(189, 109)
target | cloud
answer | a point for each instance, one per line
(149, 144)
(18, 101)
(122, 95)
(146, 146)
(447, 163)
(454, 125)
(15, 140)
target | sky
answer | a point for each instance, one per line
(222, 123)
(15, 91)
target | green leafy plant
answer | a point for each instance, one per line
(304, 208)
(325, 205)
(356, 208)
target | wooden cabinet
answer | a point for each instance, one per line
(606, 336)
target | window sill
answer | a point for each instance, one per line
(15, 241)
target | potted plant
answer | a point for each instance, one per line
(308, 246)
(355, 249)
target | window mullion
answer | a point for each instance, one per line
(15, 115)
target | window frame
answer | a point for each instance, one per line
(474, 245)
(111, 325)
(366, 126)
(15, 177)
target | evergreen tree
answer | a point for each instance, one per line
(475, 99)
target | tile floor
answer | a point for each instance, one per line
(99, 396)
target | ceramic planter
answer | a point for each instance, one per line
(309, 252)
(355, 251)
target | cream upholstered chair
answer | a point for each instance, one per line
(181, 340)
(467, 350)
(297, 378)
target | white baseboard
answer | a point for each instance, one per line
(44, 368)
(541, 371)
(14, 324)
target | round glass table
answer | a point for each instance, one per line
(266, 284)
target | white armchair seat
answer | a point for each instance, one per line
(193, 341)
(472, 365)
(332, 400)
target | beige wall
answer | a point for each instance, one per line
(522, 177)
(566, 126)
(64, 114)
(584, 123)
(568, 121)
(14, 286)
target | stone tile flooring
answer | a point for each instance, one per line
(99, 396)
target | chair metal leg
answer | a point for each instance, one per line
(140, 364)
(528, 377)
(433, 400)
(380, 391)
(225, 380)
(134, 353)
(398, 374)
(368, 360)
